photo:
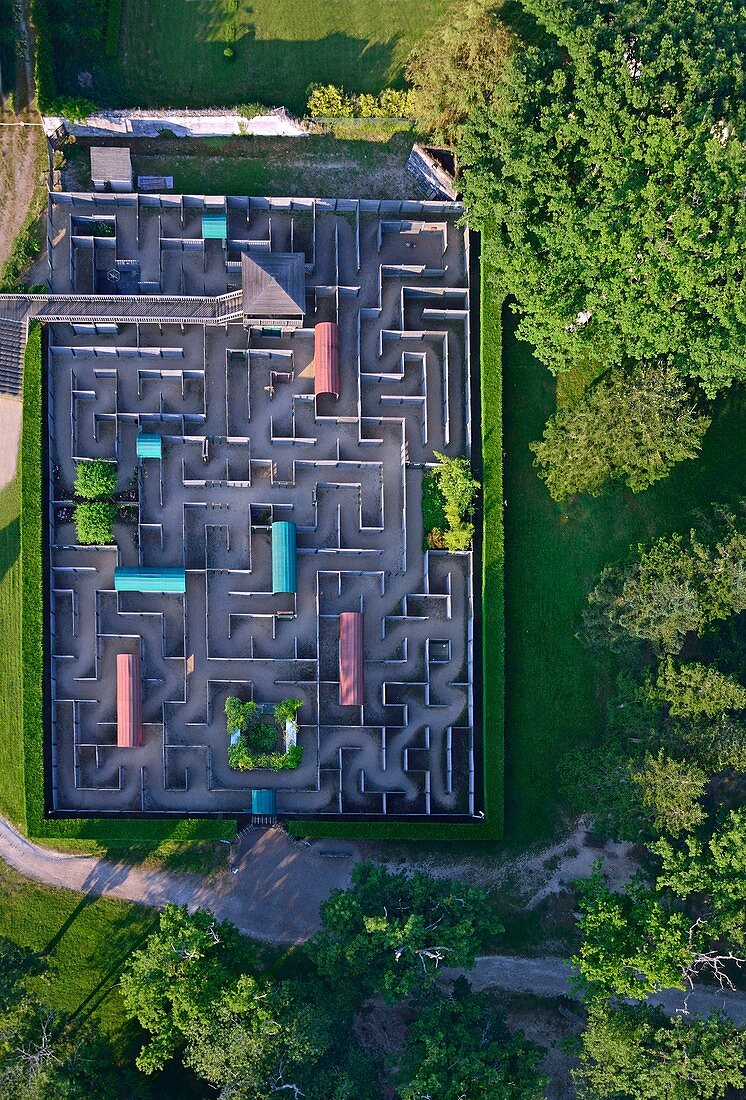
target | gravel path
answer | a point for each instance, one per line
(551, 977)
(11, 411)
(274, 895)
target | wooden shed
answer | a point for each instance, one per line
(326, 377)
(111, 168)
(351, 661)
(129, 701)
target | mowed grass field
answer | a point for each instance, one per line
(553, 555)
(171, 54)
(85, 940)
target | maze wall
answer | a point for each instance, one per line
(245, 442)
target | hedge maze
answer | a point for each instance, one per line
(174, 353)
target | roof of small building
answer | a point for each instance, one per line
(111, 162)
(274, 284)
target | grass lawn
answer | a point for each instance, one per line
(553, 556)
(171, 54)
(371, 165)
(86, 941)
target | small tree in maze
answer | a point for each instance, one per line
(238, 715)
(96, 479)
(93, 522)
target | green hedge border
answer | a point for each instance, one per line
(493, 617)
(31, 728)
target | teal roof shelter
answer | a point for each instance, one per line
(214, 226)
(263, 807)
(284, 577)
(142, 579)
(149, 446)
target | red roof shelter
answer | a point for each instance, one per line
(351, 665)
(129, 701)
(326, 359)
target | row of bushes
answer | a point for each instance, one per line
(244, 759)
(331, 101)
(96, 484)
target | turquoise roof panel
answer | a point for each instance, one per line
(149, 446)
(264, 803)
(215, 226)
(283, 557)
(144, 579)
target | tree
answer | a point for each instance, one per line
(172, 983)
(633, 945)
(695, 689)
(454, 68)
(94, 522)
(714, 872)
(608, 171)
(238, 715)
(670, 791)
(95, 479)
(635, 1052)
(286, 710)
(632, 426)
(389, 933)
(460, 1049)
(262, 737)
(289, 1039)
(654, 597)
(670, 588)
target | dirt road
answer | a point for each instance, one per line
(274, 895)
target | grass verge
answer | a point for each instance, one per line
(554, 554)
(172, 54)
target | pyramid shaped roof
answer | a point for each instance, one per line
(273, 284)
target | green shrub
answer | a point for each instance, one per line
(459, 538)
(242, 758)
(238, 715)
(262, 737)
(286, 710)
(93, 522)
(330, 101)
(95, 479)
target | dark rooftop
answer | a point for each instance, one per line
(274, 284)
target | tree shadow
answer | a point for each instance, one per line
(10, 545)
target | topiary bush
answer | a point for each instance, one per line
(94, 522)
(95, 479)
(238, 715)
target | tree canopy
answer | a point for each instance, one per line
(455, 67)
(389, 933)
(459, 1049)
(632, 426)
(635, 1052)
(609, 170)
